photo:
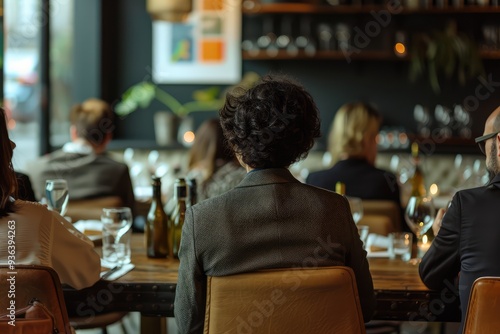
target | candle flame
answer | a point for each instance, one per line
(434, 189)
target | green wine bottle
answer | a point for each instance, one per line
(178, 215)
(157, 225)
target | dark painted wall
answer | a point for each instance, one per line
(384, 83)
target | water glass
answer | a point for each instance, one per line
(356, 206)
(115, 252)
(116, 223)
(56, 191)
(400, 246)
(363, 233)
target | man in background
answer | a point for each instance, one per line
(83, 162)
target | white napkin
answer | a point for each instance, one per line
(119, 273)
(92, 226)
(379, 241)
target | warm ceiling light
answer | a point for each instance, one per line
(400, 48)
(169, 10)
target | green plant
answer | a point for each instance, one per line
(143, 93)
(448, 52)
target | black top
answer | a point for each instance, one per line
(361, 180)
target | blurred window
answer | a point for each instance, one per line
(22, 88)
(23, 23)
(61, 70)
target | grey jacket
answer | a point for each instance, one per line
(88, 175)
(270, 220)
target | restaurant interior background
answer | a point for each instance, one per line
(96, 48)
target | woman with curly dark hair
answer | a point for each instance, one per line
(270, 220)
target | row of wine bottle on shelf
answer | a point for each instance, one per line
(270, 34)
(163, 232)
(410, 4)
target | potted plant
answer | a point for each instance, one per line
(447, 52)
(175, 121)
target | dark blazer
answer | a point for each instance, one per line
(88, 176)
(467, 243)
(270, 220)
(361, 180)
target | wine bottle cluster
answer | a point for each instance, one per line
(163, 233)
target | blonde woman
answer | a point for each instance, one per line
(352, 144)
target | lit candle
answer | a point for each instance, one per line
(434, 190)
(423, 246)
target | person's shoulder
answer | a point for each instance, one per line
(110, 160)
(31, 207)
(320, 191)
(48, 158)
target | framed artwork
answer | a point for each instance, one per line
(205, 49)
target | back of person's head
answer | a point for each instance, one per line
(93, 121)
(354, 125)
(8, 181)
(209, 148)
(272, 124)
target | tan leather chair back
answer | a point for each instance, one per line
(42, 283)
(382, 216)
(91, 208)
(483, 311)
(319, 300)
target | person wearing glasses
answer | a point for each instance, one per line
(467, 240)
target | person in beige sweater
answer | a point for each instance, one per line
(31, 234)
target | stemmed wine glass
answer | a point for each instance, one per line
(419, 216)
(115, 223)
(57, 195)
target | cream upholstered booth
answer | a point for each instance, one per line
(319, 300)
(483, 311)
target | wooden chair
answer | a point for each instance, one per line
(382, 216)
(40, 282)
(91, 208)
(319, 300)
(483, 311)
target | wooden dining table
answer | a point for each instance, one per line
(150, 289)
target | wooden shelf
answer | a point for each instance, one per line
(490, 54)
(309, 8)
(339, 55)
(333, 55)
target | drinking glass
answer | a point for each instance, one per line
(57, 195)
(116, 222)
(356, 205)
(419, 216)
